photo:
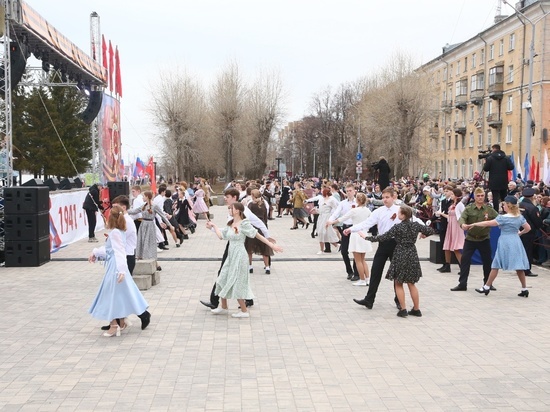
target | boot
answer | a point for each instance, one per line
(446, 268)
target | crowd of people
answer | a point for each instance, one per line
(345, 216)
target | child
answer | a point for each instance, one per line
(405, 265)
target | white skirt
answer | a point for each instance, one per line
(358, 244)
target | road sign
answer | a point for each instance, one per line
(358, 170)
(359, 156)
(359, 164)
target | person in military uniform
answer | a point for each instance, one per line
(531, 213)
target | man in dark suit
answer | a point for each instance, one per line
(498, 164)
(531, 213)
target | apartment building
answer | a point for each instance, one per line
(481, 87)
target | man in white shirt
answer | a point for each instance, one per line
(137, 202)
(384, 217)
(231, 196)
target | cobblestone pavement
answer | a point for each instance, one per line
(306, 346)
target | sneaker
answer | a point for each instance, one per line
(321, 253)
(219, 311)
(240, 314)
(159, 250)
(415, 312)
(92, 240)
(403, 313)
(360, 283)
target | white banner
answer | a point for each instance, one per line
(68, 222)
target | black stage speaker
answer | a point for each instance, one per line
(117, 189)
(27, 253)
(34, 182)
(52, 183)
(93, 108)
(66, 184)
(437, 255)
(19, 227)
(78, 183)
(26, 200)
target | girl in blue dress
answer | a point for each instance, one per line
(510, 254)
(118, 296)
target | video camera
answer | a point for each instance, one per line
(484, 154)
(374, 164)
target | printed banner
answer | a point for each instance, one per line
(109, 135)
(68, 222)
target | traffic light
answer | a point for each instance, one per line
(19, 53)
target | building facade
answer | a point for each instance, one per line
(481, 87)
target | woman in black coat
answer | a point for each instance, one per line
(91, 206)
(384, 170)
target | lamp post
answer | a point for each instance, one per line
(314, 153)
(278, 159)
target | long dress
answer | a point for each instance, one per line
(146, 247)
(285, 196)
(454, 238)
(116, 300)
(326, 207)
(234, 279)
(200, 205)
(510, 254)
(357, 243)
(404, 266)
(256, 246)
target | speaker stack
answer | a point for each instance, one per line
(117, 189)
(27, 226)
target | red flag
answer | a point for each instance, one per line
(150, 170)
(111, 66)
(537, 173)
(532, 170)
(118, 80)
(104, 52)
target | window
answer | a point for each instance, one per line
(463, 141)
(489, 136)
(501, 47)
(473, 83)
(509, 134)
(462, 168)
(458, 68)
(491, 52)
(445, 74)
(473, 61)
(512, 44)
(451, 72)
(495, 75)
(455, 168)
(461, 87)
(489, 107)
(472, 115)
(456, 141)
(465, 64)
(480, 139)
(442, 143)
(510, 74)
(471, 139)
(442, 167)
(510, 104)
(449, 144)
(482, 57)
(499, 134)
(470, 168)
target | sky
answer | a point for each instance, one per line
(313, 44)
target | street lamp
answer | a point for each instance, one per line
(314, 152)
(278, 159)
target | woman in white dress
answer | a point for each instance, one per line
(326, 233)
(357, 244)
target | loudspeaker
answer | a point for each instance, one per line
(78, 183)
(19, 53)
(93, 108)
(117, 189)
(52, 183)
(66, 184)
(27, 227)
(26, 200)
(34, 182)
(27, 253)
(437, 255)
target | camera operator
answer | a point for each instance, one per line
(497, 164)
(383, 169)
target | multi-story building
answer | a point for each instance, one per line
(482, 86)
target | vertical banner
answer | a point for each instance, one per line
(109, 135)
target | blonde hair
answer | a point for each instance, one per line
(513, 209)
(257, 197)
(116, 219)
(361, 199)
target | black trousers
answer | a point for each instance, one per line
(484, 247)
(528, 240)
(315, 219)
(92, 221)
(498, 196)
(131, 261)
(382, 255)
(344, 251)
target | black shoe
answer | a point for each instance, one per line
(313, 235)
(355, 278)
(159, 268)
(327, 251)
(459, 288)
(251, 270)
(185, 237)
(493, 288)
(307, 225)
(145, 319)
(268, 271)
(209, 304)
(446, 268)
(161, 246)
(279, 216)
(192, 229)
(165, 243)
(403, 313)
(350, 276)
(363, 302)
(415, 312)
(483, 290)
(178, 244)
(249, 302)
(294, 228)
(531, 274)
(523, 294)
(270, 218)
(397, 304)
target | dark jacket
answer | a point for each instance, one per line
(531, 213)
(498, 164)
(91, 202)
(383, 173)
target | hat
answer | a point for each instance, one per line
(511, 199)
(528, 192)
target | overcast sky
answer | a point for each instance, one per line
(313, 43)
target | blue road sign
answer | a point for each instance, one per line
(359, 156)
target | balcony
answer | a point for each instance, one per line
(476, 97)
(494, 121)
(433, 132)
(447, 105)
(461, 101)
(460, 128)
(495, 90)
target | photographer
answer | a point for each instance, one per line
(497, 164)
(383, 169)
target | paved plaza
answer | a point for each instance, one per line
(305, 347)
